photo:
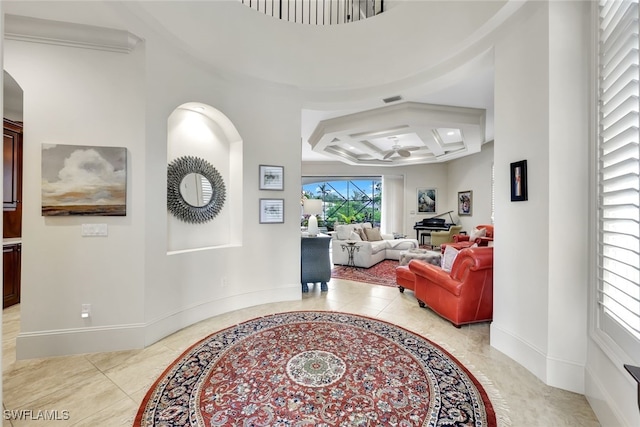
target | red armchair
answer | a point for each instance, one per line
(461, 241)
(464, 295)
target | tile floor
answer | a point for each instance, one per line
(105, 389)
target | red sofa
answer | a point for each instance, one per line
(464, 295)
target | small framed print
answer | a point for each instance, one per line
(465, 203)
(271, 177)
(519, 191)
(271, 211)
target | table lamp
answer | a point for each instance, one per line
(312, 207)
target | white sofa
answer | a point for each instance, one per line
(369, 252)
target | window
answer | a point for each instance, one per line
(618, 179)
(346, 200)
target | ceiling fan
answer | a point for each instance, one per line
(400, 151)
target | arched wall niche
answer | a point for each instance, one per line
(200, 130)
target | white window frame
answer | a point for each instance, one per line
(620, 344)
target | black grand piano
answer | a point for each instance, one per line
(435, 223)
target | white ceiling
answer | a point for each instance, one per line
(436, 52)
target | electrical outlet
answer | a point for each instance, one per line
(86, 311)
(224, 282)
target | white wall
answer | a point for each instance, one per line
(568, 192)
(521, 242)
(472, 173)
(80, 97)
(541, 116)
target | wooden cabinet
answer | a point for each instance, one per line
(12, 179)
(11, 254)
(12, 211)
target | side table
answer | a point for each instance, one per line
(351, 248)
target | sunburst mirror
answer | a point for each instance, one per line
(195, 190)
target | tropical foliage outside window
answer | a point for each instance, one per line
(346, 200)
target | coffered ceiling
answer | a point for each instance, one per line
(399, 134)
(438, 122)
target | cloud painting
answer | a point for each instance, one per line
(84, 180)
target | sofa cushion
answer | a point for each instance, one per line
(378, 245)
(373, 234)
(355, 236)
(477, 233)
(402, 244)
(362, 234)
(449, 256)
(343, 232)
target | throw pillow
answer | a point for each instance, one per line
(355, 236)
(367, 225)
(362, 234)
(477, 233)
(450, 254)
(343, 232)
(373, 234)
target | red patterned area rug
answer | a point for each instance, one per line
(316, 369)
(383, 273)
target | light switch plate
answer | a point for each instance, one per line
(94, 230)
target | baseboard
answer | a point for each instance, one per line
(53, 343)
(558, 373)
(519, 350)
(66, 342)
(566, 375)
(159, 328)
(599, 400)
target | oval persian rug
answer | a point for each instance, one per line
(316, 369)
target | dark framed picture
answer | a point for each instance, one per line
(465, 203)
(426, 200)
(271, 211)
(271, 177)
(519, 181)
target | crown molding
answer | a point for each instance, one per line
(23, 28)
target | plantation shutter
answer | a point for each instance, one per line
(618, 175)
(207, 190)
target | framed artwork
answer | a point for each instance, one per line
(465, 203)
(426, 200)
(519, 181)
(271, 177)
(271, 211)
(83, 180)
